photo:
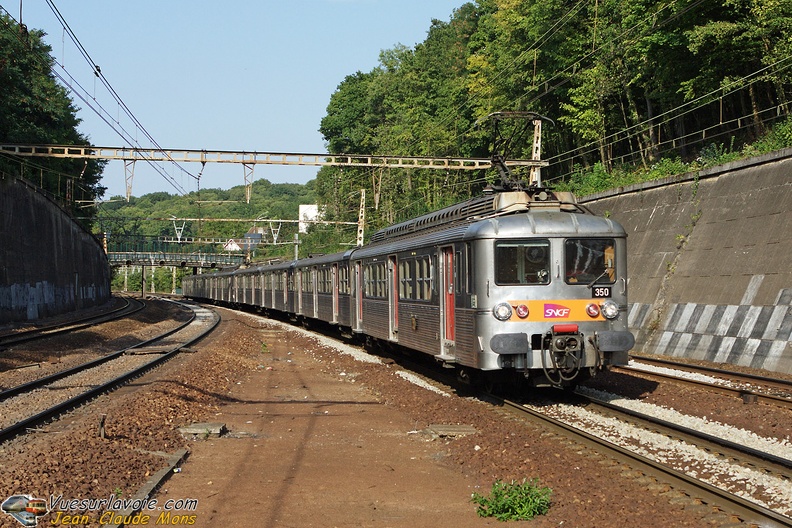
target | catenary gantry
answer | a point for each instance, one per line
(253, 158)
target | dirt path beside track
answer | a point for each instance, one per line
(306, 448)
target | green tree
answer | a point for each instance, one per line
(413, 104)
(35, 109)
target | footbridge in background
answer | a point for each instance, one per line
(179, 260)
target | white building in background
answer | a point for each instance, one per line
(307, 214)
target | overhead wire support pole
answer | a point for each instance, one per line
(536, 171)
(129, 175)
(248, 168)
(361, 218)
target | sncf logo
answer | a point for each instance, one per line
(555, 311)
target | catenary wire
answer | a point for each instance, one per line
(98, 72)
(93, 104)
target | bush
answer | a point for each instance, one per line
(585, 181)
(514, 501)
(780, 137)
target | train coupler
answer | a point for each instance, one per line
(563, 354)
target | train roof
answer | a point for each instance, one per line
(514, 215)
(487, 206)
(317, 260)
(545, 223)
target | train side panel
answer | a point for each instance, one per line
(466, 347)
(375, 318)
(418, 327)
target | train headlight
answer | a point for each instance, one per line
(502, 311)
(610, 309)
(522, 311)
(592, 310)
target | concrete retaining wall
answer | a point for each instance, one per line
(709, 262)
(49, 265)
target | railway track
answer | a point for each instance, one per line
(31, 404)
(128, 307)
(697, 490)
(771, 461)
(651, 453)
(751, 388)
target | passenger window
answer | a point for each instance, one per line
(468, 268)
(423, 279)
(432, 284)
(375, 281)
(343, 279)
(406, 288)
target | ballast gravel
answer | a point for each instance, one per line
(773, 446)
(771, 491)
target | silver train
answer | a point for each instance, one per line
(516, 286)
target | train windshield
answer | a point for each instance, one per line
(590, 261)
(522, 262)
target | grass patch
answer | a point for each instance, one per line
(514, 501)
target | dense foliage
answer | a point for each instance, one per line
(35, 109)
(633, 87)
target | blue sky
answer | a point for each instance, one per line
(238, 75)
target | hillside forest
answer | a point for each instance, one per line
(631, 90)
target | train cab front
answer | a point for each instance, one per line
(560, 309)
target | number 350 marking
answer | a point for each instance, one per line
(601, 291)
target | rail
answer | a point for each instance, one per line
(746, 510)
(206, 321)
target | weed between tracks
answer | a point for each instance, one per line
(514, 501)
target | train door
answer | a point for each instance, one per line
(315, 291)
(298, 288)
(288, 290)
(393, 298)
(447, 301)
(358, 295)
(334, 286)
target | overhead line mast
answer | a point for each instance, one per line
(250, 159)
